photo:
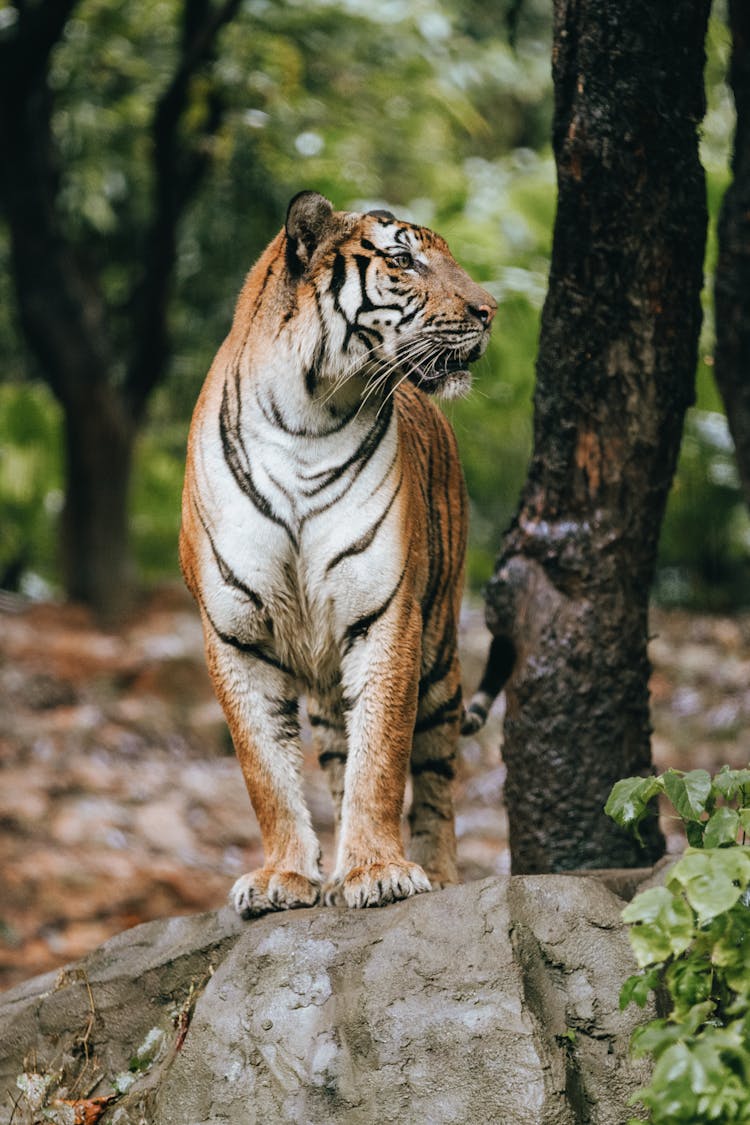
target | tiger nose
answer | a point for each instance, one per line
(485, 313)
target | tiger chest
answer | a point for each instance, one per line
(314, 549)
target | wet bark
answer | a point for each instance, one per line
(615, 374)
(732, 282)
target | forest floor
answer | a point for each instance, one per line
(121, 799)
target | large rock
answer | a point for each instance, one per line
(491, 1002)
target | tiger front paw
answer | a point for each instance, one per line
(377, 884)
(259, 892)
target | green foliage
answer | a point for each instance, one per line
(156, 497)
(31, 498)
(434, 115)
(691, 939)
(711, 568)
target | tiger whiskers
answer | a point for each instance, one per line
(409, 360)
(380, 377)
(419, 354)
(411, 363)
(341, 380)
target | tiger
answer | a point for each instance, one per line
(324, 524)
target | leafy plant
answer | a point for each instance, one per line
(691, 939)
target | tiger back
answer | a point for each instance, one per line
(323, 537)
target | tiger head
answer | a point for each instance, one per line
(394, 302)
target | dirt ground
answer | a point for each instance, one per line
(121, 800)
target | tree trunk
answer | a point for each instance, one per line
(732, 283)
(97, 562)
(615, 374)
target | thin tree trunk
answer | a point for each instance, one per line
(615, 374)
(732, 284)
(97, 562)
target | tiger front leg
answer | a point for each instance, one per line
(260, 704)
(380, 678)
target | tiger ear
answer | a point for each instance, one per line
(308, 218)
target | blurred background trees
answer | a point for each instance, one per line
(424, 107)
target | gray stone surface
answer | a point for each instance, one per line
(491, 1002)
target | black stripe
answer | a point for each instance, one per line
(327, 724)
(285, 707)
(363, 624)
(331, 756)
(251, 650)
(286, 714)
(227, 574)
(440, 813)
(272, 414)
(441, 665)
(338, 277)
(245, 646)
(262, 288)
(291, 256)
(443, 767)
(363, 263)
(477, 709)
(349, 702)
(359, 458)
(366, 539)
(446, 712)
(238, 462)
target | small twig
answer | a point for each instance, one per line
(15, 1105)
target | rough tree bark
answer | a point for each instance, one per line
(615, 374)
(732, 282)
(63, 310)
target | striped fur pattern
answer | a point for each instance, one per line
(323, 537)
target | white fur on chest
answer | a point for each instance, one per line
(307, 568)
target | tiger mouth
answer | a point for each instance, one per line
(430, 376)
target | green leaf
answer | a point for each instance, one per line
(648, 905)
(722, 828)
(662, 925)
(636, 989)
(654, 1037)
(744, 815)
(713, 880)
(711, 894)
(688, 792)
(629, 801)
(730, 782)
(689, 980)
(733, 862)
(695, 1017)
(694, 862)
(694, 832)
